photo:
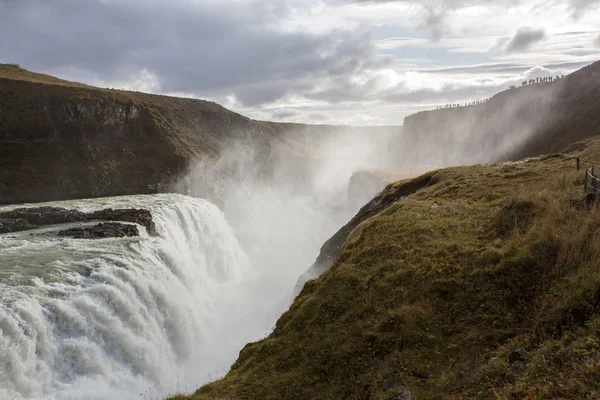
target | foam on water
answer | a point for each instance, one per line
(130, 317)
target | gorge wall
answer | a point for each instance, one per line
(60, 140)
(526, 121)
(65, 140)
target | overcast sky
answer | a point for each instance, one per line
(329, 61)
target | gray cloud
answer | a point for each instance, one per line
(597, 42)
(504, 68)
(434, 20)
(216, 48)
(283, 114)
(579, 7)
(435, 12)
(523, 39)
(208, 49)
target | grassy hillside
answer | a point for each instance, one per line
(15, 72)
(484, 284)
(61, 140)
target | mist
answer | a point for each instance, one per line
(282, 208)
(284, 204)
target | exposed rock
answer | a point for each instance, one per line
(518, 354)
(22, 219)
(139, 216)
(393, 385)
(423, 378)
(405, 396)
(102, 230)
(40, 216)
(330, 251)
(365, 184)
(13, 225)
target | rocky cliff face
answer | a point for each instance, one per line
(65, 140)
(526, 121)
(62, 141)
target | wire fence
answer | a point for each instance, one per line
(591, 183)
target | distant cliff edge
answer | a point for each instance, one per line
(538, 118)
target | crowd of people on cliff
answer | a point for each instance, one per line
(471, 103)
(539, 80)
(524, 83)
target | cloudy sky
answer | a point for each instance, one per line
(360, 62)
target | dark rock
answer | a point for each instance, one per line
(40, 216)
(13, 225)
(423, 378)
(393, 385)
(405, 396)
(22, 219)
(139, 216)
(518, 354)
(102, 230)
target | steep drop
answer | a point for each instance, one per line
(128, 317)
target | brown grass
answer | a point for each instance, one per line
(430, 295)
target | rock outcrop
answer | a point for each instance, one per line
(22, 219)
(330, 251)
(102, 231)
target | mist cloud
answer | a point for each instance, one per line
(524, 38)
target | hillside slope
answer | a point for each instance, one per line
(466, 283)
(63, 140)
(60, 140)
(541, 118)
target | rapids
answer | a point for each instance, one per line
(129, 317)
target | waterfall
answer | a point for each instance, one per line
(128, 317)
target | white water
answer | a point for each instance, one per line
(130, 317)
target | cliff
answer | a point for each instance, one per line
(64, 140)
(540, 118)
(466, 283)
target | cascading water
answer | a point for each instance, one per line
(129, 317)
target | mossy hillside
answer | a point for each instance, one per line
(430, 294)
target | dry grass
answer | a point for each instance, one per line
(12, 71)
(61, 140)
(430, 294)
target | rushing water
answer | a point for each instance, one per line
(126, 318)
